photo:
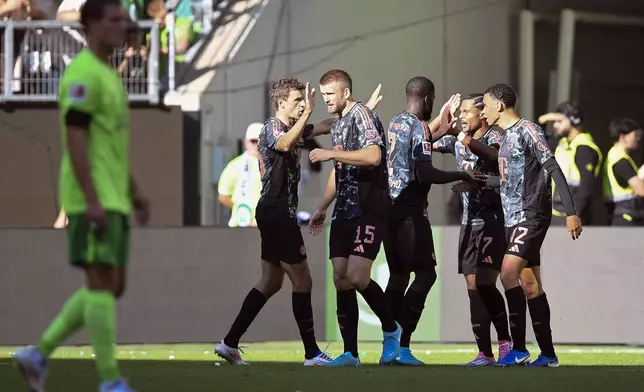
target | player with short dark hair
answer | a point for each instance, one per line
(526, 167)
(358, 183)
(482, 241)
(409, 245)
(578, 156)
(623, 186)
(98, 193)
(282, 247)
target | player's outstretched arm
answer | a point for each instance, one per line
(480, 149)
(428, 173)
(484, 180)
(368, 156)
(294, 135)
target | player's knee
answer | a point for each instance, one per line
(302, 284)
(269, 286)
(531, 288)
(358, 280)
(508, 279)
(424, 280)
(339, 277)
(398, 281)
(470, 281)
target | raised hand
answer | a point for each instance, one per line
(455, 104)
(309, 99)
(375, 98)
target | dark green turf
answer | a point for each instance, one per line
(191, 376)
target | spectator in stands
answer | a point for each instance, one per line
(183, 31)
(28, 9)
(240, 182)
(135, 9)
(25, 10)
(69, 10)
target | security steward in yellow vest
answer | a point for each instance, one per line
(579, 158)
(623, 187)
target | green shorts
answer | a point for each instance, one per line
(111, 248)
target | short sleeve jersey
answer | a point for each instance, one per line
(280, 170)
(92, 87)
(482, 205)
(359, 190)
(526, 192)
(408, 143)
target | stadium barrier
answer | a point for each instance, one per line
(187, 284)
(31, 71)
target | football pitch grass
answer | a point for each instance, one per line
(278, 367)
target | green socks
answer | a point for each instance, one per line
(97, 311)
(68, 321)
(100, 321)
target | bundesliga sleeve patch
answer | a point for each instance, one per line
(427, 148)
(78, 93)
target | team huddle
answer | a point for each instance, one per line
(380, 185)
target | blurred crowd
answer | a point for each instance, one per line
(40, 55)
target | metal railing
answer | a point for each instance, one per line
(31, 70)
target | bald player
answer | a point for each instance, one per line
(409, 245)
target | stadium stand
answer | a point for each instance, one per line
(39, 38)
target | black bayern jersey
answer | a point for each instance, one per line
(359, 190)
(526, 192)
(280, 171)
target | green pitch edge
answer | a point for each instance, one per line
(369, 328)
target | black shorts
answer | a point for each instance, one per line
(481, 246)
(525, 240)
(357, 237)
(281, 238)
(409, 244)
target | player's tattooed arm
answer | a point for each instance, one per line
(295, 134)
(324, 127)
(318, 217)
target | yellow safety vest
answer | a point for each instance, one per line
(565, 155)
(624, 200)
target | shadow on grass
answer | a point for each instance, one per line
(75, 375)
